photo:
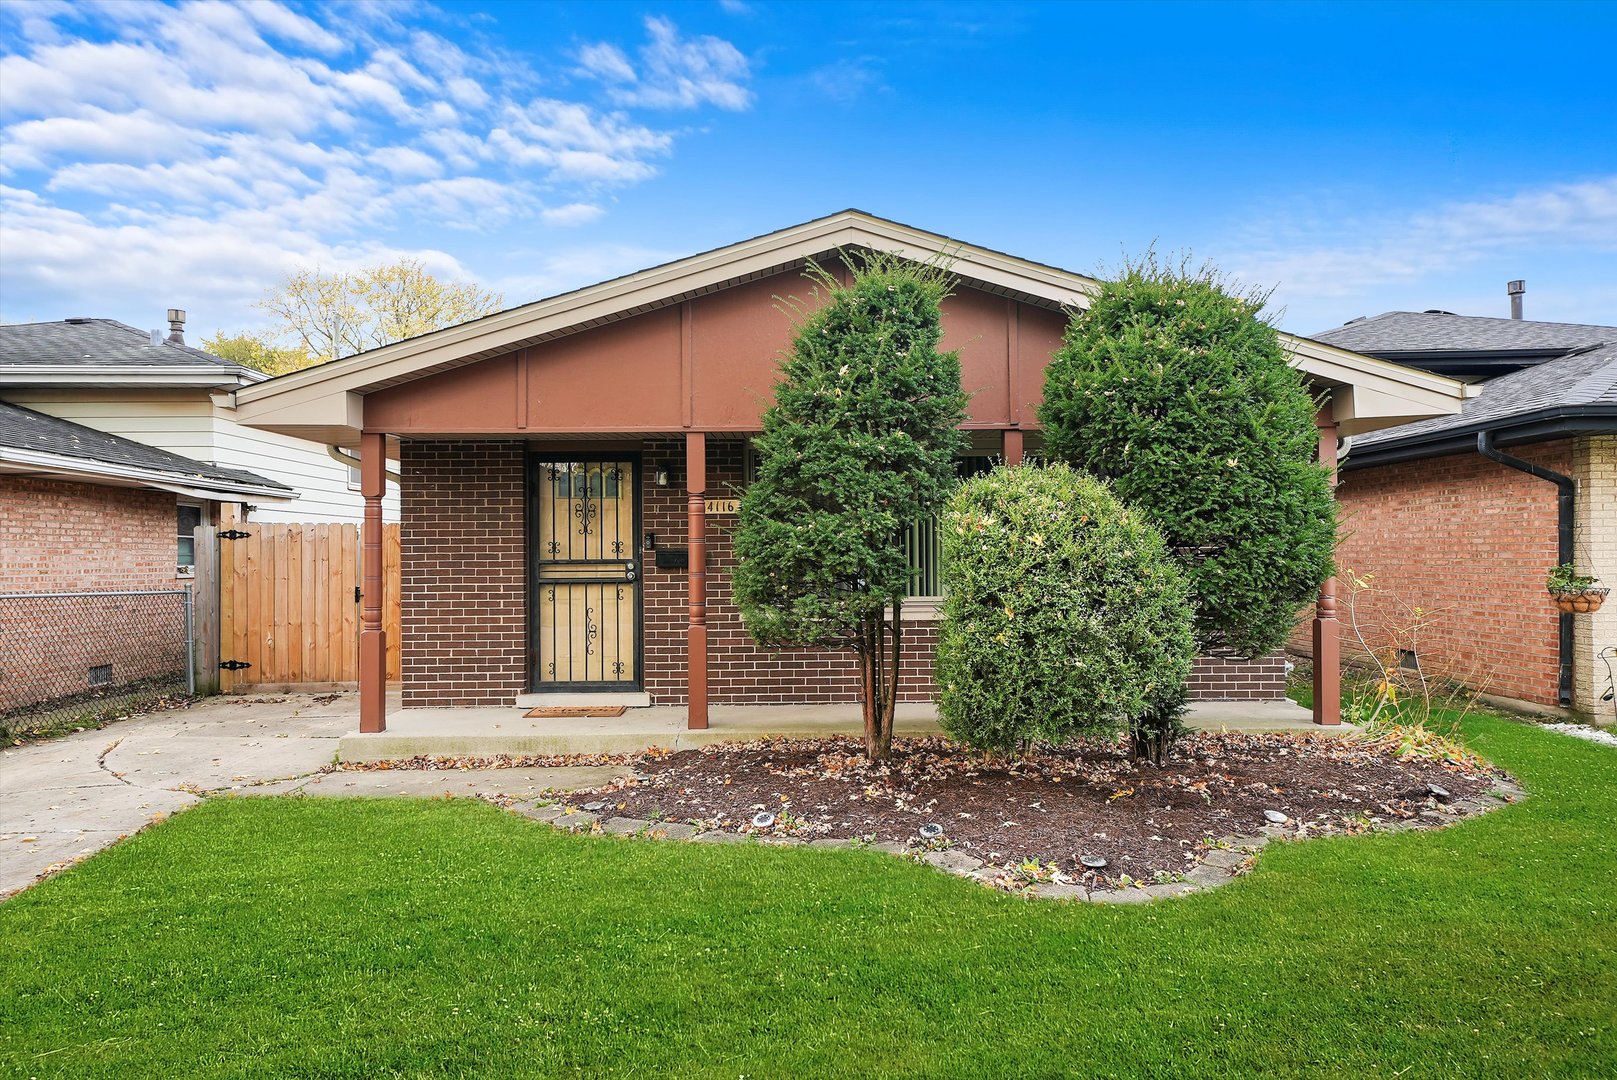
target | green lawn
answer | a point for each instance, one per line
(393, 938)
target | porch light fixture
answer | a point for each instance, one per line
(661, 475)
(931, 831)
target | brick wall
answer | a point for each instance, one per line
(463, 580)
(1594, 467)
(56, 537)
(739, 672)
(464, 594)
(1471, 540)
(64, 537)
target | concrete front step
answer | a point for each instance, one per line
(496, 731)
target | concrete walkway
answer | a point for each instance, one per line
(71, 797)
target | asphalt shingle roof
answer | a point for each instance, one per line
(1406, 332)
(1584, 380)
(98, 343)
(25, 429)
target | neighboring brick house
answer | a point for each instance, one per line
(155, 389)
(1471, 537)
(84, 512)
(570, 468)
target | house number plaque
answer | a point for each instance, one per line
(723, 506)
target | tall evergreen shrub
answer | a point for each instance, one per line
(860, 442)
(1180, 395)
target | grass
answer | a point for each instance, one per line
(445, 938)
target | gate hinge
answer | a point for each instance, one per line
(234, 665)
(234, 534)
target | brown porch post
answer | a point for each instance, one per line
(372, 638)
(696, 633)
(1011, 448)
(1327, 643)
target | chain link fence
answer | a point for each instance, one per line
(78, 659)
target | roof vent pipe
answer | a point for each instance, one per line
(176, 325)
(157, 337)
(1516, 289)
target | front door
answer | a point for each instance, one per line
(586, 561)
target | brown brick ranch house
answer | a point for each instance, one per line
(569, 470)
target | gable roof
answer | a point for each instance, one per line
(1575, 394)
(34, 443)
(106, 352)
(325, 402)
(1444, 340)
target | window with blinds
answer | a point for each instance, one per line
(923, 541)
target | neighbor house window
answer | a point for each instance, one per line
(189, 516)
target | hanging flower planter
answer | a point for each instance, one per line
(1580, 602)
(1575, 593)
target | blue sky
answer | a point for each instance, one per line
(1356, 158)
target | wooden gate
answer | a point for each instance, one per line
(289, 603)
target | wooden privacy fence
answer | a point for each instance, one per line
(289, 602)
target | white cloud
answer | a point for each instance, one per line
(674, 73)
(1322, 255)
(572, 214)
(203, 149)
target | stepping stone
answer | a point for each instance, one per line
(1162, 892)
(673, 830)
(1225, 857)
(1208, 875)
(718, 837)
(623, 826)
(831, 842)
(1121, 896)
(578, 822)
(783, 841)
(891, 847)
(1051, 891)
(956, 862)
(547, 814)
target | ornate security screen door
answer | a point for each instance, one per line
(587, 574)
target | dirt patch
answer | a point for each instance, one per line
(1149, 823)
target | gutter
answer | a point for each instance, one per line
(193, 484)
(1567, 491)
(1539, 426)
(337, 453)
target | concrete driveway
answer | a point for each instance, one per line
(71, 797)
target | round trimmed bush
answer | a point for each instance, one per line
(1064, 614)
(1180, 395)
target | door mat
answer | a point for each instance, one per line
(545, 711)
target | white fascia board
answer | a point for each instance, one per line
(37, 461)
(121, 375)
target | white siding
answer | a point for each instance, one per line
(179, 421)
(298, 463)
(185, 421)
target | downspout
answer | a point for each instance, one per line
(1567, 489)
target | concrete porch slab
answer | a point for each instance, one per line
(495, 731)
(484, 732)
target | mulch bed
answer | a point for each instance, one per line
(1148, 822)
